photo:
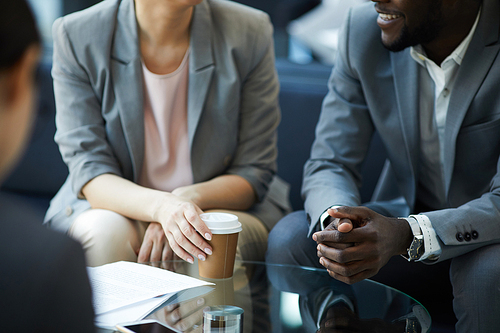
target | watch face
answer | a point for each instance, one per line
(416, 249)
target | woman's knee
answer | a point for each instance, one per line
(107, 236)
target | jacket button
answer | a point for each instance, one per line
(68, 211)
(475, 234)
(467, 237)
(460, 237)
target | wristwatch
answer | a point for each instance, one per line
(416, 249)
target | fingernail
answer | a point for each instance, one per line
(208, 236)
(321, 261)
(208, 251)
(315, 237)
(318, 247)
(190, 260)
(201, 301)
(201, 257)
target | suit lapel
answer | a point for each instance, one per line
(201, 65)
(405, 71)
(126, 71)
(476, 64)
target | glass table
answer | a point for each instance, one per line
(293, 299)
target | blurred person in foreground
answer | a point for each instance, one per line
(425, 76)
(43, 282)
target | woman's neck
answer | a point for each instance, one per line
(162, 23)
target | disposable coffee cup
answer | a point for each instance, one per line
(225, 229)
(223, 319)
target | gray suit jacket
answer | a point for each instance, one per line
(374, 89)
(233, 107)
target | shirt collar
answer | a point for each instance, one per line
(418, 54)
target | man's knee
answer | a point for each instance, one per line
(288, 242)
(476, 289)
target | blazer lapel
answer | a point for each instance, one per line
(126, 71)
(406, 86)
(201, 65)
(476, 64)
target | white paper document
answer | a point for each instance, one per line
(134, 312)
(141, 310)
(122, 284)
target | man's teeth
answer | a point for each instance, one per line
(388, 17)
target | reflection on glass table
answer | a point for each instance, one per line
(292, 299)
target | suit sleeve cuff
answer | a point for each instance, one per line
(431, 243)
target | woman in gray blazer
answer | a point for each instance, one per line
(165, 109)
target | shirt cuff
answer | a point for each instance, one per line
(431, 243)
(324, 216)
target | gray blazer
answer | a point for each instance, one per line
(233, 106)
(374, 89)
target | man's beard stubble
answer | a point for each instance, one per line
(423, 34)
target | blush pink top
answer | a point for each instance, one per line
(167, 160)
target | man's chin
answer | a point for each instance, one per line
(395, 46)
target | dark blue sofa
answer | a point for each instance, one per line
(303, 88)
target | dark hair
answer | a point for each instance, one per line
(17, 31)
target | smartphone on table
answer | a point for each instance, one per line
(145, 326)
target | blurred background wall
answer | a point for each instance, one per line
(304, 29)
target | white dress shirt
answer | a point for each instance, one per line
(433, 109)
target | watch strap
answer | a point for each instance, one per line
(417, 248)
(415, 227)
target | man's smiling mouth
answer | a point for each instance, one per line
(389, 17)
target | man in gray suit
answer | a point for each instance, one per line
(431, 90)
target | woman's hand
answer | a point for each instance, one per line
(181, 216)
(177, 212)
(183, 227)
(154, 245)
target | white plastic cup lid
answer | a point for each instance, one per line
(221, 223)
